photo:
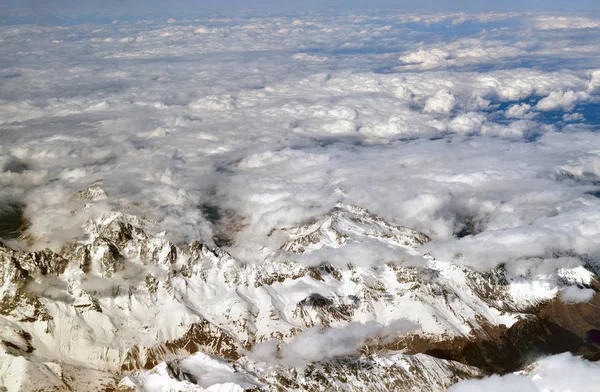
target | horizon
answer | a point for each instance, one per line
(228, 7)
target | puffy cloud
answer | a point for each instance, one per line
(574, 294)
(563, 372)
(521, 111)
(212, 103)
(426, 59)
(403, 92)
(494, 383)
(442, 102)
(573, 117)
(516, 129)
(467, 122)
(594, 84)
(562, 100)
(572, 231)
(199, 115)
(462, 52)
(340, 127)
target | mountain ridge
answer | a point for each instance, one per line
(122, 300)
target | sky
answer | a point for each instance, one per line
(228, 7)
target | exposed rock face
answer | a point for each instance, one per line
(92, 193)
(11, 220)
(96, 314)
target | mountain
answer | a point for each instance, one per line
(126, 309)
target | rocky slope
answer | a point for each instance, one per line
(128, 310)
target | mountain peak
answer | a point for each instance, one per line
(92, 193)
(99, 304)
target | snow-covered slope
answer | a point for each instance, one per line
(373, 372)
(123, 300)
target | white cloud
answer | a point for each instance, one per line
(573, 117)
(403, 92)
(521, 111)
(467, 122)
(594, 84)
(495, 383)
(237, 123)
(426, 59)
(562, 100)
(317, 344)
(442, 102)
(574, 294)
(560, 373)
(547, 22)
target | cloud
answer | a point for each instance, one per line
(578, 117)
(574, 294)
(522, 111)
(318, 344)
(236, 117)
(563, 372)
(570, 232)
(547, 22)
(458, 53)
(364, 254)
(442, 102)
(558, 100)
(426, 59)
(469, 122)
(494, 383)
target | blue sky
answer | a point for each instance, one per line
(232, 6)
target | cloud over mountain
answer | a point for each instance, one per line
(478, 130)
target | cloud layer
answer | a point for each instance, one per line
(233, 127)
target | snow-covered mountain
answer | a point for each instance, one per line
(128, 310)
